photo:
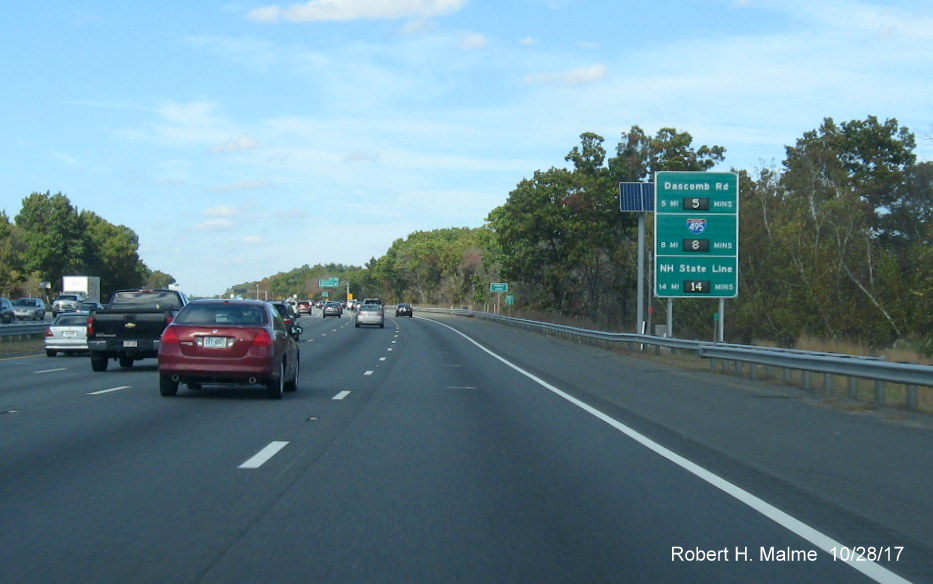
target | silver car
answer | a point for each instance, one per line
(29, 308)
(67, 334)
(370, 314)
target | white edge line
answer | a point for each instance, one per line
(50, 370)
(111, 390)
(873, 570)
(264, 455)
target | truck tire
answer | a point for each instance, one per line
(98, 362)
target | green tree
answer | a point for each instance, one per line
(112, 253)
(840, 182)
(157, 279)
(53, 236)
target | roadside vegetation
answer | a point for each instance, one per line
(836, 244)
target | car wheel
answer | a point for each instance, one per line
(98, 362)
(51, 353)
(276, 387)
(126, 362)
(357, 325)
(292, 385)
(168, 387)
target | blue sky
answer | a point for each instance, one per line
(241, 139)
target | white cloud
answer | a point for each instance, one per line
(213, 225)
(222, 211)
(579, 76)
(473, 41)
(237, 144)
(329, 10)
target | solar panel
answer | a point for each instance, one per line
(636, 196)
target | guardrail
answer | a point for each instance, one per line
(17, 332)
(829, 365)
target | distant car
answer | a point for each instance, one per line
(7, 312)
(67, 334)
(230, 342)
(88, 306)
(29, 308)
(304, 307)
(66, 303)
(286, 311)
(370, 314)
(332, 309)
(403, 310)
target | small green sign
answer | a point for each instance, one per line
(329, 283)
(499, 287)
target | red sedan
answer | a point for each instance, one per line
(233, 342)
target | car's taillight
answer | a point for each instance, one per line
(169, 336)
(90, 327)
(262, 339)
(48, 331)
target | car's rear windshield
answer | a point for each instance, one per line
(146, 300)
(222, 314)
(71, 320)
(26, 302)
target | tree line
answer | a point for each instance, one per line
(836, 243)
(50, 237)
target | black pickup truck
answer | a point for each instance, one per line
(130, 326)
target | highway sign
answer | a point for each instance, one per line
(696, 234)
(329, 283)
(499, 287)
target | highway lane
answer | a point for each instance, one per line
(411, 455)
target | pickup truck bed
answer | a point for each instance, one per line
(130, 327)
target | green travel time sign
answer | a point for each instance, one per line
(696, 233)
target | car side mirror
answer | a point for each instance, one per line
(296, 331)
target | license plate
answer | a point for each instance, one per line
(69, 333)
(131, 344)
(215, 342)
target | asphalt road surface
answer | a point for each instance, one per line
(445, 450)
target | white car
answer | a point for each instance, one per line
(67, 334)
